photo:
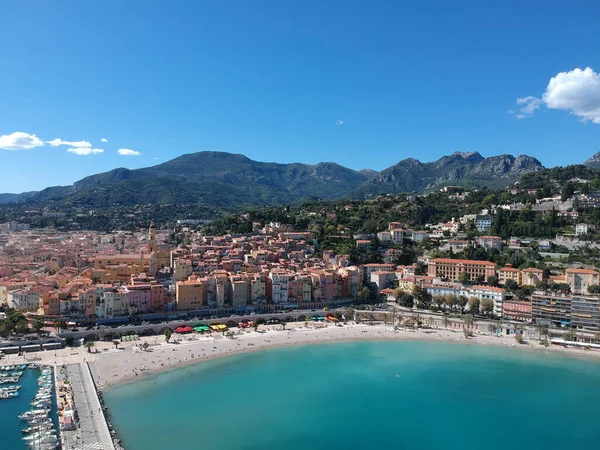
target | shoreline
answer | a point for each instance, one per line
(112, 368)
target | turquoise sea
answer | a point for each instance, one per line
(400, 395)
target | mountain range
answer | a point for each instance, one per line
(594, 161)
(224, 179)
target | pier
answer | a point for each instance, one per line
(92, 431)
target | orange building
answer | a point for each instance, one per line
(450, 269)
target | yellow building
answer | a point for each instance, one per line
(580, 279)
(509, 273)
(189, 294)
(450, 269)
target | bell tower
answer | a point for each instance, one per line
(152, 238)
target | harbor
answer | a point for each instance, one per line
(38, 422)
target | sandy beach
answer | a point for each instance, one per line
(111, 366)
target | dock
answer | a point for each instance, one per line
(91, 432)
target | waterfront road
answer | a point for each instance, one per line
(92, 433)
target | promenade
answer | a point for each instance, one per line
(92, 432)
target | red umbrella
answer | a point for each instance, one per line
(180, 330)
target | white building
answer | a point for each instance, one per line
(496, 295)
(23, 300)
(483, 222)
(581, 229)
(280, 283)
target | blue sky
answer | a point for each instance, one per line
(273, 80)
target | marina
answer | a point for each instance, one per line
(38, 427)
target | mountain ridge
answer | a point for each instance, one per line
(225, 179)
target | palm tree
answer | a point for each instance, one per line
(168, 334)
(116, 344)
(255, 325)
(283, 325)
(491, 328)
(570, 335)
(498, 324)
(469, 321)
(89, 346)
(445, 321)
(539, 327)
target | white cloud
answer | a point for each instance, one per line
(128, 152)
(339, 122)
(20, 141)
(103, 140)
(84, 151)
(529, 105)
(577, 91)
(79, 144)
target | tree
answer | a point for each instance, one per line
(487, 306)
(511, 285)
(145, 346)
(440, 301)
(407, 301)
(364, 293)
(479, 279)
(421, 297)
(255, 325)
(168, 334)
(89, 346)
(519, 338)
(452, 301)
(349, 314)
(445, 321)
(498, 324)
(463, 277)
(116, 344)
(283, 325)
(493, 281)
(474, 304)
(37, 325)
(570, 335)
(398, 293)
(593, 289)
(469, 322)
(491, 328)
(462, 301)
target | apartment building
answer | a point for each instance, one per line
(508, 272)
(517, 310)
(495, 294)
(189, 294)
(280, 285)
(450, 269)
(551, 307)
(585, 312)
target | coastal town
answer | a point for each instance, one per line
(96, 309)
(90, 278)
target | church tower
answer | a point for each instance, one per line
(152, 238)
